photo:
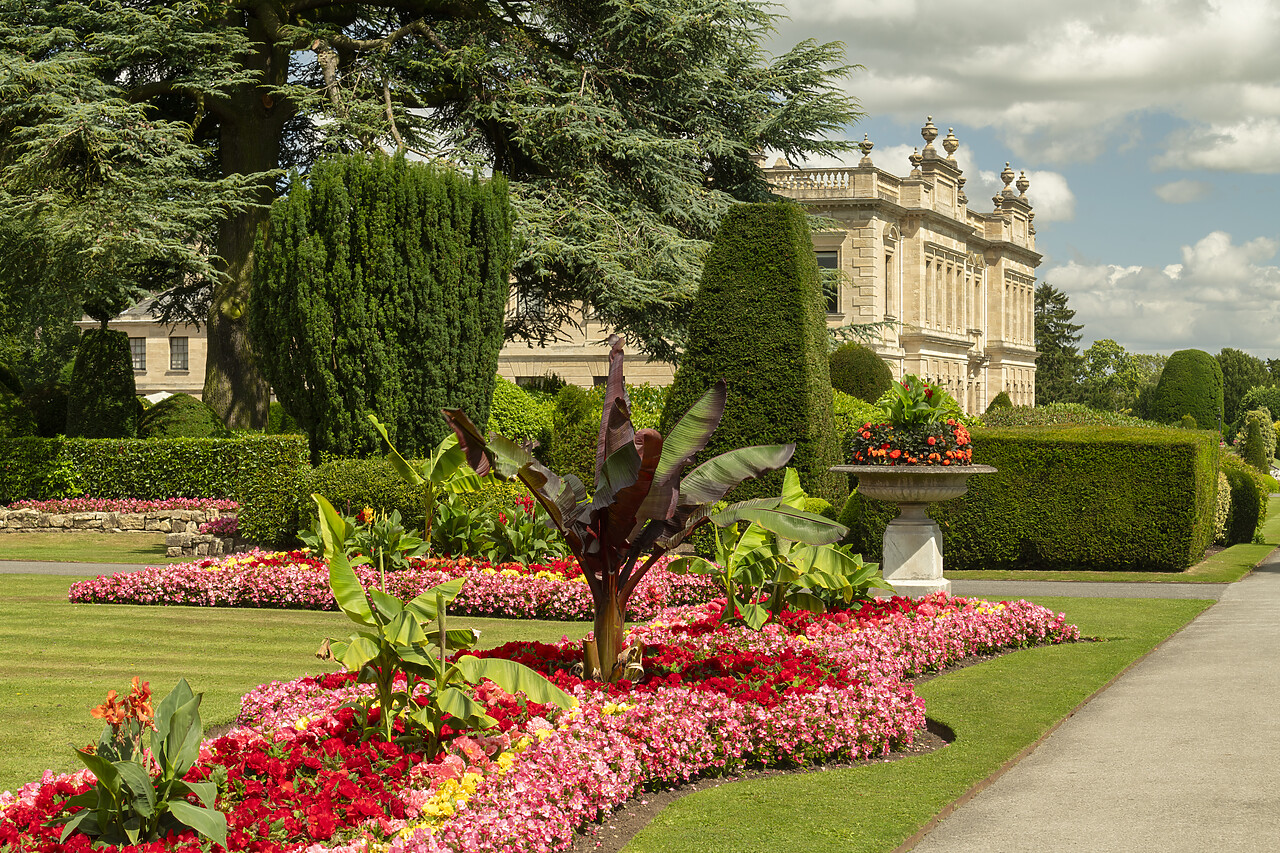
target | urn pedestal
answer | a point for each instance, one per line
(912, 561)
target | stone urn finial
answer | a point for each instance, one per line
(1007, 177)
(950, 144)
(866, 145)
(915, 159)
(1023, 184)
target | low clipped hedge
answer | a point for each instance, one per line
(44, 468)
(1248, 500)
(1086, 498)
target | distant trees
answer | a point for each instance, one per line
(1240, 373)
(380, 286)
(1058, 369)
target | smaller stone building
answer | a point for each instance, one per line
(169, 360)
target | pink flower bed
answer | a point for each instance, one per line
(298, 580)
(69, 505)
(714, 700)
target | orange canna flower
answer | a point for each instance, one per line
(111, 711)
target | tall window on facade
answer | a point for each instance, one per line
(829, 271)
(138, 353)
(177, 353)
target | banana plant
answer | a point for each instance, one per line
(444, 472)
(396, 637)
(144, 798)
(752, 563)
(643, 504)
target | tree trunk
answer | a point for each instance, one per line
(608, 644)
(250, 138)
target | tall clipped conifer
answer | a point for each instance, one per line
(1190, 384)
(380, 287)
(758, 323)
(102, 401)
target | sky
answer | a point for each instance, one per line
(1149, 129)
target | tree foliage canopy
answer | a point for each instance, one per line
(1241, 372)
(626, 128)
(1060, 364)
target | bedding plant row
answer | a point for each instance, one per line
(299, 771)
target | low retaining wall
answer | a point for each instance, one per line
(184, 538)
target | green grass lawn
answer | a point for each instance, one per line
(86, 547)
(996, 709)
(61, 658)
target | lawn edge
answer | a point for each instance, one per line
(982, 784)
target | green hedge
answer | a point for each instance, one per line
(1092, 498)
(144, 469)
(1248, 500)
(518, 416)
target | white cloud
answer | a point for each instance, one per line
(1220, 295)
(1051, 197)
(1062, 81)
(1183, 192)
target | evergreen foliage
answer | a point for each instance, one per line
(102, 401)
(1085, 497)
(353, 484)
(181, 416)
(518, 416)
(758, 322)
(1190, 384)
(1000, 401)
(628, 130)
(575, 431)
(380, 288)
(1261, 397)
(280, 422)
(1248, 500)
(1241, 372)
(1257, 442)
(859, 371)
(15, 418)
(1060, 365)
(10, 380)
(48, 405)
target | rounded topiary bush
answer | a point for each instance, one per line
(1190, 384)
(518, 416)
(1000, 401)
(102, 401)
(15, 418)
(280, 422)
(48, 405)
(858, 371)
(182, 416)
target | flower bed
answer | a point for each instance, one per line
(84, 504)
(714, 699)
(298, 580)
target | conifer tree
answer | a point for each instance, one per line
(380, 288)
(627, 129)
(1059, 366)
(758, 322)
(102, 401)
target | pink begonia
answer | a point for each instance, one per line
(296, 580)
(592, 759)
(87, 504)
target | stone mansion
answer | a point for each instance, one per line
(953, 288)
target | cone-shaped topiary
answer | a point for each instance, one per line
(1000, 401)
(858, 371)
(182, 416)
(102, 402)
(758, 323)
(1190, 384)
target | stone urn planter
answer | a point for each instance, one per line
(912, 561)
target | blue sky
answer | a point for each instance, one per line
(1150, 130)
